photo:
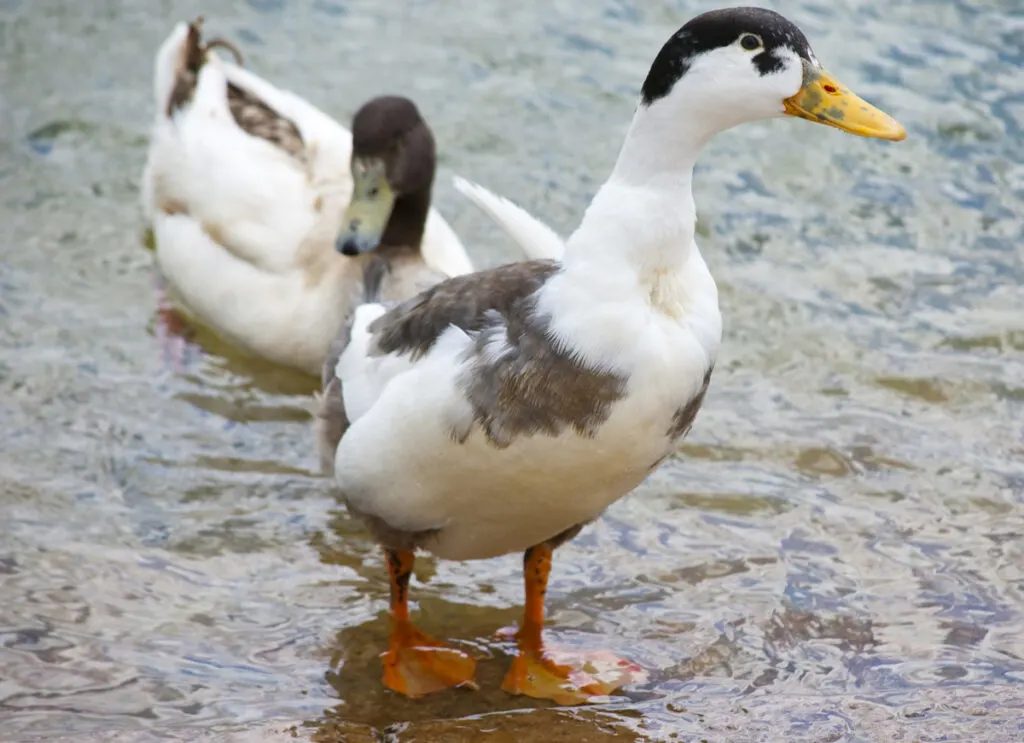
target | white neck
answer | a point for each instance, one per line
(642, 220)
(662, 144)
(632, 263)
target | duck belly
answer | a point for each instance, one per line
(468, 498)
(518, 505)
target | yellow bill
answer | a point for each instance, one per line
(827, 101)
(369, 210)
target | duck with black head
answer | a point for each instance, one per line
(502, 411)
(246, 188)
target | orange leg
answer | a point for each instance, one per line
(534, 671)
(416, 663)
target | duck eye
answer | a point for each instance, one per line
(750, 42)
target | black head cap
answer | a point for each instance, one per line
(719, 28)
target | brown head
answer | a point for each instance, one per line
(393, 163)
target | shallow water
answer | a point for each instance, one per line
(834, 555)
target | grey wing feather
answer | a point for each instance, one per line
(465, 301)
(471, 302)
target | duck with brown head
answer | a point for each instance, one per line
(393, 163)
(246, 190)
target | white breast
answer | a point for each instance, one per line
(487, 501)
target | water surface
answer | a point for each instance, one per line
(834, 555)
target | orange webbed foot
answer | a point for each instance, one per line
(417, 664)
(575, 677)
(565, 677)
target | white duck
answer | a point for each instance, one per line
(246, 187)
(504, 410)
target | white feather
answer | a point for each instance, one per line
(634, 298)
(244, 232)
(535, 238)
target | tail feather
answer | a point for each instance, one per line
(190, 57)
(536, 239)
(170, 60)
(179, 61)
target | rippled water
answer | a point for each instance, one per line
(835, 554)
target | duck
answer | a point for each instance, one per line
(251, 193)
(501, 412)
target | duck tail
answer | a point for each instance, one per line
(535, 238)
(179, 61)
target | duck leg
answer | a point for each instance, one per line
(416, 663)
(535, 670)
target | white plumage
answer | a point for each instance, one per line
(634, 298)
(503, 410)
(245, 230)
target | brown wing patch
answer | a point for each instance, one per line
(517, 380)
(468, 302)
(521, 383)
(682, 420)
(258, 119)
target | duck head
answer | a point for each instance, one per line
(393, 164)
(729, 66)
